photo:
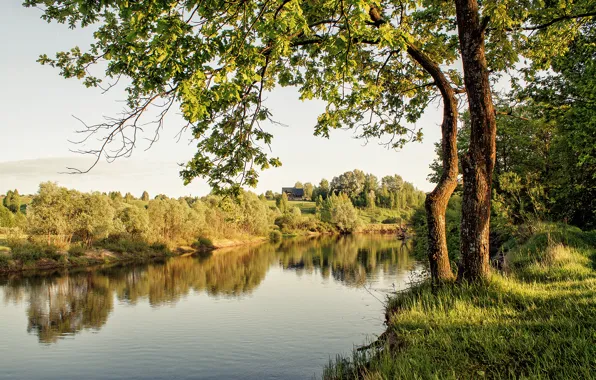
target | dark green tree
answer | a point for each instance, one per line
(12, 201)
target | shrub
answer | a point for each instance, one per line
(392, 220)
(4, 260)
(28, 251)
(202, 243)
(123, 245)
(76, 250)
(159, 247)
(275, 236)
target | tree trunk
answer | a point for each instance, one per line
(479, 161)
(437, 200)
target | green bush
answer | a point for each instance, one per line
(275, 236)
(159, 247)
(202, 243)
(123, 245)
(4, 260)
(76, 250)
(391, 220)
(27, 251)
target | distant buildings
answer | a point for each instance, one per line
(293, 193)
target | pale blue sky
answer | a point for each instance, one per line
(37, 105)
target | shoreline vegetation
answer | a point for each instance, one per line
(62, 228)
(534, 318)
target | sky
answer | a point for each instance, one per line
(38, 106)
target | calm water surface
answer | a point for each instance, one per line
(270, 311)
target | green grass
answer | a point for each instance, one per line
(537, 320)
(380, 215)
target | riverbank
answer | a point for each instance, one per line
(29, 257)
(535, 319)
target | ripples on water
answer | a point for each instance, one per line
(268, 311)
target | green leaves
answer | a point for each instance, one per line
(215, 60)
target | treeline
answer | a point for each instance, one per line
(69, 219)
(60, 216)
(348, 201)
(364, 190)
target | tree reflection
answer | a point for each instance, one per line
(350, 260)
(62, 305)
(66, 303)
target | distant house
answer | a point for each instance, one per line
(293, 193)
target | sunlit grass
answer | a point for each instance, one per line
(535, 320)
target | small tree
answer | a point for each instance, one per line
(344, 215)
(323, 188)
(52, 212)
(145, 196)
(308, 190)
(12, 201)
(129, 198)
(115, 195)
(135, 221)
(298, 185)
(282, 203)
(319, 205)
(6, 217)
(94, 217)
(370, 199)
(339, 210)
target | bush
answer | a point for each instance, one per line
(391, 220)
(28, 251)
(123, 245)
(4, 260)
(275, 236)
(76, 250)
(202, 243)
(159, 247)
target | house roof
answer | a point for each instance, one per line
(294, 191)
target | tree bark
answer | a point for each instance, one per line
(478, 163)
(437, 200)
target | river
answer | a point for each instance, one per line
(273, 311)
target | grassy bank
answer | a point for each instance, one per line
(25, 255)
(536, 319)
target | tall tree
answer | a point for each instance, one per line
(479, 162)
(218, 59)
(535, 30)
(437, 200)
(245, 49)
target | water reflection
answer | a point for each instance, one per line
(63, 304)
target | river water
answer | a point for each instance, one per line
(261, 312)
